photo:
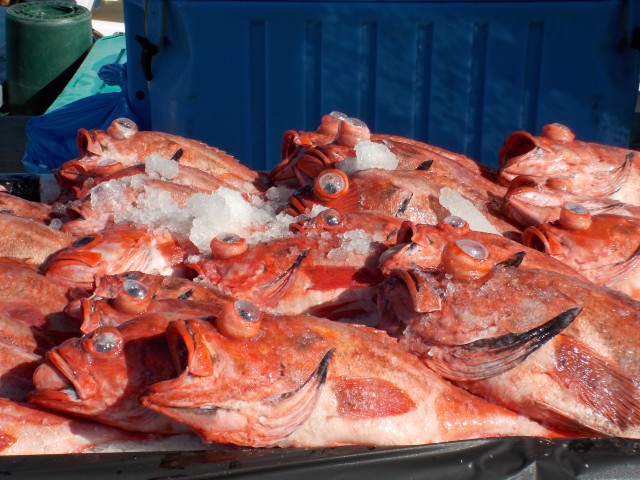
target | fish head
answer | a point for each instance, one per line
(101, 374)
(381, 228)
(116, 249)
(262, 273)
(246, 378)
(603, 246)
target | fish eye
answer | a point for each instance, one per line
(330, 217)
(122, 128)
(465, 258)
(247, 310)
(83, 241)
(228, 245)
(134, 297)
(104, 340)
(331, 184)
(135, 289)
(239, 320)
(474, 249)
(574, 216)
(455, 222)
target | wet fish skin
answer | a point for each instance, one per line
(334, 384)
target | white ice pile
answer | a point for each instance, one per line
(369, 155)
(203, 217)
(155, 165)
(354, 241)
(459, 206)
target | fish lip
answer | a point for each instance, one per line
(63, 367)
(537, 237)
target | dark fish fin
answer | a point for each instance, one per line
(273, 291)
(597, 383)
(492, 356)
(340, 310)
(424, 166)
(280, 415)
(515, 261)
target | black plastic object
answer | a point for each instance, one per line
(492, 459)
(45, 44)
(23, 185)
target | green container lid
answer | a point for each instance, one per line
(45, 44)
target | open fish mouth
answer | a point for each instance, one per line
(55, 382)
(256, 422)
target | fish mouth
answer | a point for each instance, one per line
(536, 238)
(55, 383)
(258, 422)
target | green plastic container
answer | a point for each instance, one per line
(45, 44)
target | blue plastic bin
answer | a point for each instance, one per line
(459, 74)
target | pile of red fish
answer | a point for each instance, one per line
(370, 289)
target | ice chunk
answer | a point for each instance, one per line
(353, 242)
(459, 206)
(160, 166)
(369, 155)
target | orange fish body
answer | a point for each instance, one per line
(333, 384)
(604, 248)
(560, 161)
(550, 346)
(101, 375)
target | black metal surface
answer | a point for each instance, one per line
(506, 458)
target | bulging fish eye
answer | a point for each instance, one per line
(330, 217)
(133, 298)
(466, 258)
(574, 216)
(558, 132)
(454, 224)
(331, 184)
(227, 245)
(104, 341)
(351, 131)
(122, 129)
(240, 319)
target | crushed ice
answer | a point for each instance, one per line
(157, 166)
(369, 155)
(459, 206)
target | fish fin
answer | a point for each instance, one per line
(515, 261)
(280, 415)
(561, 422)
(489, 357)
(597, 383)
(609, 274)
(343, 309)
(369, 397)
(272, 291)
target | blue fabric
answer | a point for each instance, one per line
(51, 138)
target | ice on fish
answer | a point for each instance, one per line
(369, 155)
(459, 206)
(156, 164)
(354, 241)
(204, 216)
(226, 210)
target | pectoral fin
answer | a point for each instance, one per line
(597, 383)
(492, 356)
